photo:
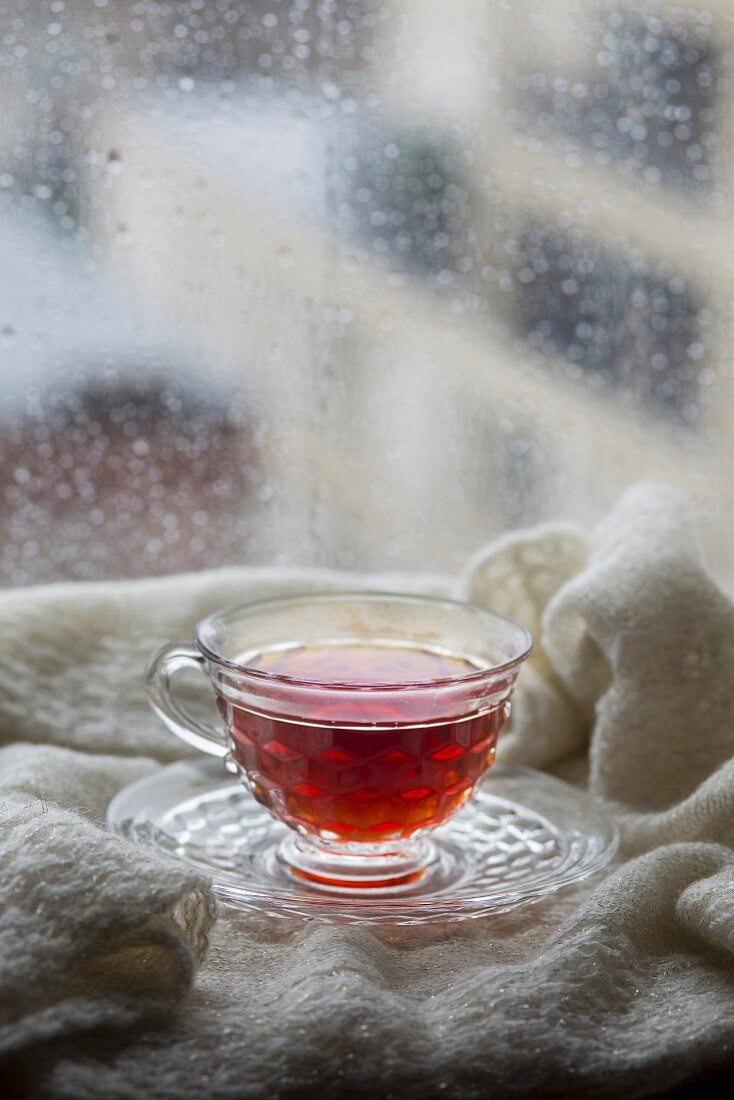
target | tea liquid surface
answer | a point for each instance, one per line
(360, 663)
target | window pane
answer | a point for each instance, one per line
(358, 284)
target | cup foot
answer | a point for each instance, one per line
(358, 868)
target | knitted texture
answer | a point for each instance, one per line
(624, 986)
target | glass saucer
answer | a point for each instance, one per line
(524, 836)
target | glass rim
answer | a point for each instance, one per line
(524, 648)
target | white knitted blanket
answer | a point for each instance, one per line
(624, 986)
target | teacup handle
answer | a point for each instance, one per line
(158, 675)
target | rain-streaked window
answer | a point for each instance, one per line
(356, 283)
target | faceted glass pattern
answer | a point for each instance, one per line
(362, 785)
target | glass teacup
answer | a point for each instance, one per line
(360, 720)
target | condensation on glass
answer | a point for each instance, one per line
(359, 284)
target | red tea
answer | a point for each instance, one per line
(372, 767)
